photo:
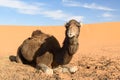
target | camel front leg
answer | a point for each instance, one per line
(66, 69)
(44, 62)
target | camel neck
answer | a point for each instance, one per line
(70, 45)
(69, 48)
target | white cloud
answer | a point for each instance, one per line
(73, 3)
(36, 8)
(19, 6)
(57, 14)
(107, 15)
(95, 6)
(67, 0)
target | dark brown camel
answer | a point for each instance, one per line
(44, 51)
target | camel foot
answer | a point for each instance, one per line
(66, 69)
(45, 69)
(48, 71)
(71, 69)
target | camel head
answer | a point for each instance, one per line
(72, 29)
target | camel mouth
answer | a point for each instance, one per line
(71, 36)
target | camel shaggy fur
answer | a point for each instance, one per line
(44, 50)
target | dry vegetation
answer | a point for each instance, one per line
(89, 68)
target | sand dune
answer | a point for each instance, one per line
(96, 41)
(13, 36)
(104, 34)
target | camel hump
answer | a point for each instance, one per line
(36, 33)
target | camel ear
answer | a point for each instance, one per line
(81, 24)
(67, 25)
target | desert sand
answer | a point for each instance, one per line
(98, 57)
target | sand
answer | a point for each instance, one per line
(98, 56)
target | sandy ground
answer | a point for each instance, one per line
(98, 57)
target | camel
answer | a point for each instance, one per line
(44, 51)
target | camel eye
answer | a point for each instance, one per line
(78, 25)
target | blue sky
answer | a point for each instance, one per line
(58, 12)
